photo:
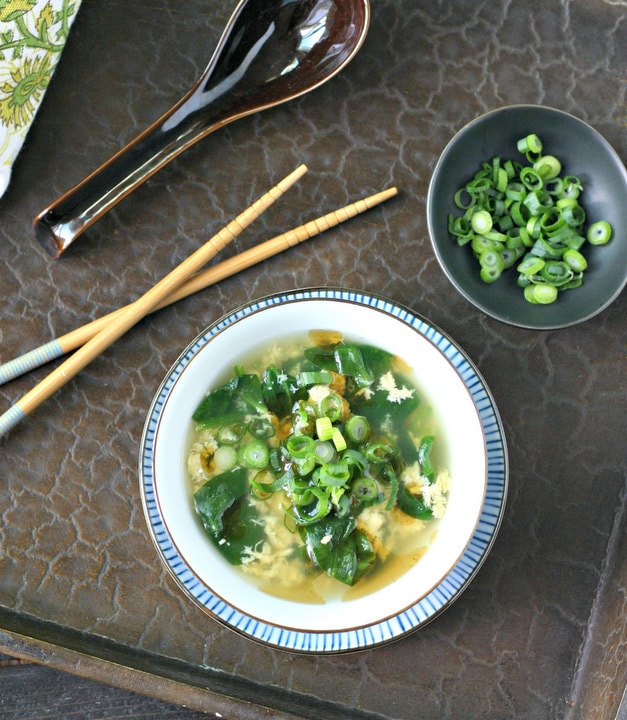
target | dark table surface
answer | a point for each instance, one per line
(540, 633)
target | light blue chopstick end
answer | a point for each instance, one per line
(30, 360)
(10, 419)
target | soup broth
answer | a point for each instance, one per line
(317, 469)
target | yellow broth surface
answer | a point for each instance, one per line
(282, 559)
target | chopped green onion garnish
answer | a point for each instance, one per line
(547, 167)
(225, 457)
(513, 210)
(263, 485)
(358, 429)
(331, 406)
(299, 446)
(491, 259)
(540, 294)
(481, 222)
(531, 179)
(575, 260)
(254, 454)
(324, 428)
(556, 273)
(338, 439)
(325, 451)
(530, 145)
(364, 489)
(599, 233)
(574, 215)
(489, 274)
(231, 434)
(530, 265)
(321, 377)
(378, 452)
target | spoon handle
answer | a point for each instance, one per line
(204, 108)
(58, 225)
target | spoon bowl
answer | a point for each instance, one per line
(271, 51)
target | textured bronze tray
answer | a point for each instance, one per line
(540, 632)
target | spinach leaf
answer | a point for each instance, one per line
(424, 458)
(231, 522)
(217, 495)
(243, 530)
(322, 358)
(383, 414)
(365, 554)
(412, 505)
(247, 396)
(338, 549)
(280, 391)
(379, 409)
(350, 360)
(229, 403)
(376, 359)
(214, 407)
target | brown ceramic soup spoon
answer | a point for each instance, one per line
(271, 51)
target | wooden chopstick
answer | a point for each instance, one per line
(134, 312)
(65, 344)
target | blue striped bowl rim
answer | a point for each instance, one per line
(414, 617)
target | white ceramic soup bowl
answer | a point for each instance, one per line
(469, 424)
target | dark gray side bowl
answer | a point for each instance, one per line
(582, 152)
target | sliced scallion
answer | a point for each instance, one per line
(599, 233)
(492, 259)
(321, 377)
(331, 406)
(364, 489)
(357, 429)
(324, 428)
(231, 434)
(378, 452)
(531, 265)
(576, 261)
(338, 439)
(254, 454)
(540, 294)
(481, 222)
(530, 146)
(299, 446)
(547, 167)
(225, 457)
(325, 452)
(531, 211)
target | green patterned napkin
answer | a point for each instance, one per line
(32, 36)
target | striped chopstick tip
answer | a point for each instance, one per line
(28, 361)
(10, 419)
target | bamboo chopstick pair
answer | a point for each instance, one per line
(186, 279)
